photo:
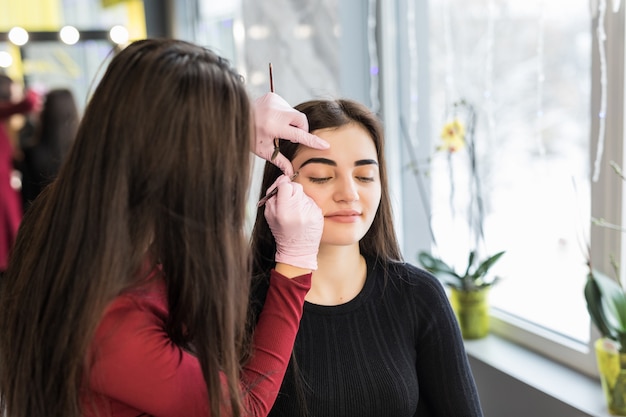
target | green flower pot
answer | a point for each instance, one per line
(612, 368)
(472, 311)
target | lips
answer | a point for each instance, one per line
(344, 216)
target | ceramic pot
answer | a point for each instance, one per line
(472, 311)
(612, 368)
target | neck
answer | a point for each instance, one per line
(340, 275)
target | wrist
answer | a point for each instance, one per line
(291, 271)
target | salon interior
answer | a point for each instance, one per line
(534, 90)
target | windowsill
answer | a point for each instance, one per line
(575, 389)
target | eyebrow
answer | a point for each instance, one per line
(330, 162)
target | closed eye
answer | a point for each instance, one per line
(365, 179)
(317, 180)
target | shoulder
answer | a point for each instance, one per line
(410, 275)
(140, 308)
(409, 280)
(149, 290)
(419, 294)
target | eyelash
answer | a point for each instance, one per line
(326, 179)
(319, 180)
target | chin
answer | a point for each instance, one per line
(341, 239)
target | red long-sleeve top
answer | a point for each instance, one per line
(138, 370)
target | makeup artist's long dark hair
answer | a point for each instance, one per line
(161, 161)
(379, 243)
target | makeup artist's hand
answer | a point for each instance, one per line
(275, 118)
(296, 223)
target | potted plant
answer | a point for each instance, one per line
(469, 291)
(606, 304)
(469, 288)
(475, 277)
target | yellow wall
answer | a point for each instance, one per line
(46, 15)
(136, 19)
(31, 14)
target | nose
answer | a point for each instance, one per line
(346, 190)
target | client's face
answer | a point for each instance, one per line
(343, 180)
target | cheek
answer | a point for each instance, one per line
(373, 204)
(316, 193)
(373, 196)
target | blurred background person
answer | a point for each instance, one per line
(10, 199)
(46, 148)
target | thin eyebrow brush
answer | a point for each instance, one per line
(276, 150)
(276, 143)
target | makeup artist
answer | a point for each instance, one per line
(126, 293)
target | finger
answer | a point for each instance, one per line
(298, 119)
(297, 188)
(284, 164)
(283, 196)
(301, 136)
(291, 190)
(281, 179)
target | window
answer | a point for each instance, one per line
(78, 67)
(531, 71)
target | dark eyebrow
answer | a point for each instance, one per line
(319, 161)
(330, 162)
(361, 162)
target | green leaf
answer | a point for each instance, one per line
(593, 296)
(613, 302)
(486, 281)
(470, 262)
(483, 268)
(435, 266)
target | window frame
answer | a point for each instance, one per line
(606, 193)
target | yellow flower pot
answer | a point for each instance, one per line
(612, 368)
(472, 311)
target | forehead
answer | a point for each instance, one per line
(348, 143)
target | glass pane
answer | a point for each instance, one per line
(50, 65)
(525, 68)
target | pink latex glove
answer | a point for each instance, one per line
(275, 118)
(296, 223)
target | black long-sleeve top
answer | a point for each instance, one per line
(394, 350)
